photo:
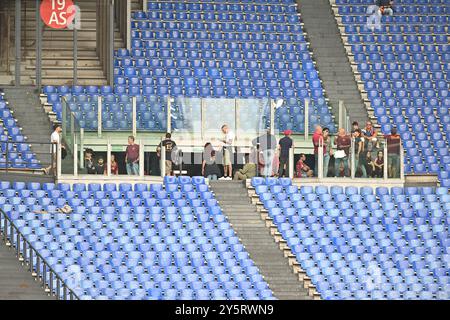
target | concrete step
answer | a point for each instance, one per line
(331, 58)
(16, 282)
(31, 117)
(255, 236)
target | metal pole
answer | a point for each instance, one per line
(111, 42)
(128, 25)
(163, 160)
(81, 148)
(134, 116)
(385, 162)
(320, 162)
(108, 158)
(306, 119)
(75, 157)
(99, 116)
(169, 115)
(18, 42)
(402, 164)
(291, 162)
(272, 116)
(144, 5)
(38, 46)
(141, 158)
(352, 164)
(75, 56)
(341, 115)
(58, 161)
(64, 118)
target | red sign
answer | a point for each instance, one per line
(57, 14)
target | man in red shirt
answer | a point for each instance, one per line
(302, 169)
(343, 143)
(317, 139)
(132, 157)
(393, 147)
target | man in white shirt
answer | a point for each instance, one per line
(227, 140)
(55, 139)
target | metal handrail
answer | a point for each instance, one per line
(8, 163)
(17, 240)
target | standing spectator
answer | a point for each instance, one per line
(370, 136)
(302, 169)
(317, 140)
(89, 163)
(343, 143)
(379, 165)
(360, 154)
(100, 167)
(114, 165)
(132, 157)
(169, 145)
(393, 147)
(55, 140)
(267, 145)
(284, 145)
(210, 169)
(328, 150)
(227, 149)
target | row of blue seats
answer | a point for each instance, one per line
(270, 48)
(173, 252)
(398, 19)
(290, 17)
(341, 249)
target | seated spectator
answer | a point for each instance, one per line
(248, 171)
(210, 169)
(302, 169)
(370, 165)
(114, 165)
(370, 135)
(100, 167)
(379, 165)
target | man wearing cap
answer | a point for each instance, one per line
(284, 145)
(267, 143)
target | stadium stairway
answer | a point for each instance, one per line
(331, 58)
(16, 283)
(57, 49)
(31, 117)
(254, 235)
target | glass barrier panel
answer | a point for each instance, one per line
(186, 116)
(117, 114)
(252, 117)
(216, 113)
(371, 159)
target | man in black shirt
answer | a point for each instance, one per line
(267, 145)
(169, 146)
(284, 145)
